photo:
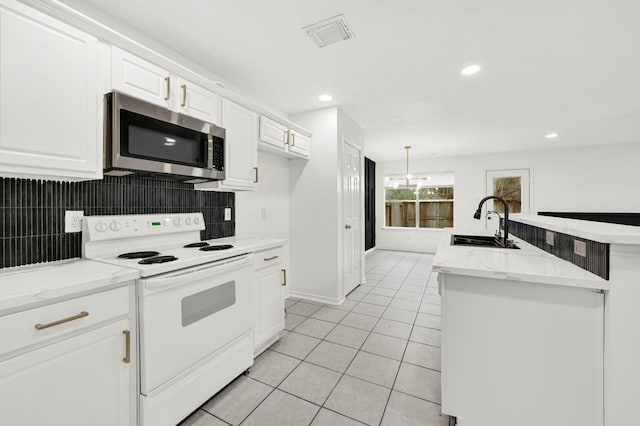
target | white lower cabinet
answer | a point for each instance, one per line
(49, 116)
(270, 278)
(76, 370)
(521, 353)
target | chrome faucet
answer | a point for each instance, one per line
(505, 228)
(492, 212)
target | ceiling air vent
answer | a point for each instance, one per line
(329, 31)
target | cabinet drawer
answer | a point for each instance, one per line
(268, 257)
(19, 330)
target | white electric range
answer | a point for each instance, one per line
(195, 304)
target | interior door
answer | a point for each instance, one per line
(352, 211)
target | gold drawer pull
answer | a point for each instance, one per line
(127, 346)
(284, 273)
(256, 170)
(62, 321)
(184, 95)
(168, 81)
(270, 258)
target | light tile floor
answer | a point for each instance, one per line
(373, 360)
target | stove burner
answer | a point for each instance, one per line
(158, 259)
(219, 247)
(138, 255)
(198, 244)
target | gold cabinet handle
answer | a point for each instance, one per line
(127, 346)
(62, 321)
(256, 170)
(270, 258)
(184, 95)
(284, 274)
(286, 137)
(168, 81)
(293, 139)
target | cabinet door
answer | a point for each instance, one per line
(75, 382)
(269, 305)
(198, 102)
(142, 79)
(273, 134)
(299, 144)
(241, 149)
(49, 100)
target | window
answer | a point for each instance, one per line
(427, 202)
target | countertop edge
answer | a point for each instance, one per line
(609, 233)
(491, 268)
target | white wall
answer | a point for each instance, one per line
(602, 178)
(272, 194)
(314, 202)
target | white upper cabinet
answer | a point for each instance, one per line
(241, 149)
(277, 137)
(139, 78)
(299, 144)
(198, 102)
(144, 80)
(49, 101)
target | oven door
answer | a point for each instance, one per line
(189, 314)
(146, 137)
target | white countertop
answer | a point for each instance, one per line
(528, 264)
(29, 286)
(597, 231)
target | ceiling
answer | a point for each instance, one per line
(571, 67)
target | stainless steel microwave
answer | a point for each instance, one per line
(147, 139)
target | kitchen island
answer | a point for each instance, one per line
(522, 337)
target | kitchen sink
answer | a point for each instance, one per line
(479, 241)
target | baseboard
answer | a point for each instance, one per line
(368, 252)
(315, 298)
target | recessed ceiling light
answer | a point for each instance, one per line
(325, 98)
(551, 135)
(471, 69)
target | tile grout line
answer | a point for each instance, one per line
(405, 350)
(349, 365)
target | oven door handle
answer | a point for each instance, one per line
(194, 274)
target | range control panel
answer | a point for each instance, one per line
(114, 227)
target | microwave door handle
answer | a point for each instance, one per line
(210, 151)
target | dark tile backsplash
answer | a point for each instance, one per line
(32, 212)
(596, 261)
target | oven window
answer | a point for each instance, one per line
(151, 139)
(206, 303)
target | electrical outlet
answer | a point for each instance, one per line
(73, 221)
(227, 213)
(580, 248)
(550, 238)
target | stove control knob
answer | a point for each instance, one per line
(115, 226)
(176, 221)
(196, 220)
(187, 221)
(101, 226)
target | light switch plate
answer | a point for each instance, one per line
(264, 212)
(580, 248)
(550, 238)
(227, 214)
(73, 220)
